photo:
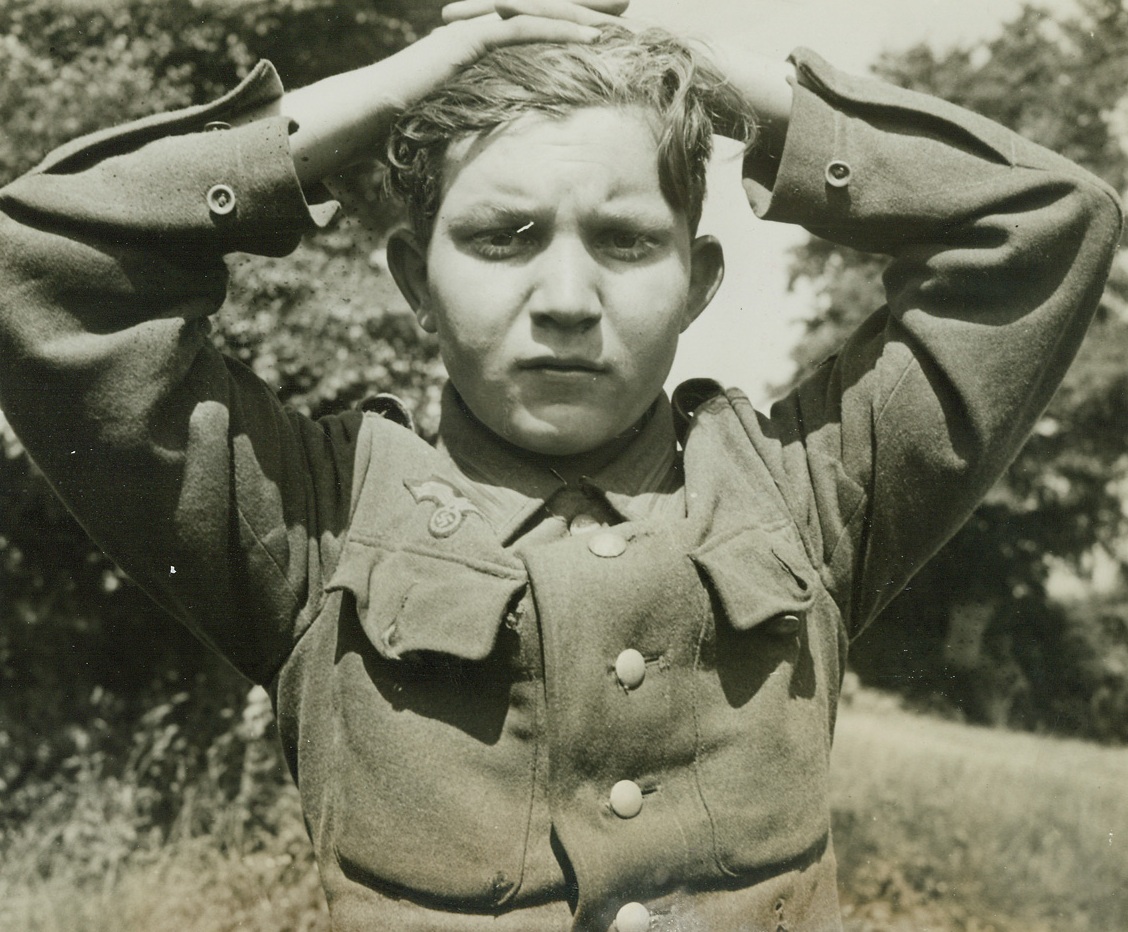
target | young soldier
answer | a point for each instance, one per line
(577, 666)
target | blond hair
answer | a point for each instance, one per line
(651, 69)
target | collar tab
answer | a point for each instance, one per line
(391, 408)
(687, 398)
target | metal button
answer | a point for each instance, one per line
(221, 199)
(607, 544)
(513, 618)
(786, 624)
(582, 524)
(626, 799)
(632, 917)
(630, 668)
(216, 125)
(838, 173)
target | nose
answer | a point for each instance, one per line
(565, 289)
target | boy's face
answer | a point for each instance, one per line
(558, 278)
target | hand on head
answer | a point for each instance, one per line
(475, 27)
(587, 12)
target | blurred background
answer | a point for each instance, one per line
(980, 760)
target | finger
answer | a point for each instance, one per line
(559, 9)
(467, 9)
(469, 40)
(521, 29)
(547, 7)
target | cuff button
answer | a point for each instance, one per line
(221, 200)
(838, 173)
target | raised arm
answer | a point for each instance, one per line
(347, 117)
(1000, 252)
(179, 462)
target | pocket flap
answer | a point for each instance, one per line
(411, 600)
(762, 578)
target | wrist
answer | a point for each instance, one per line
(342, 119)
(765, 89)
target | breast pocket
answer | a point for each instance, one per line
(433, 756)
(761, 584)
(761, 701)
(411, 599)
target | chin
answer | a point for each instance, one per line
(557, 439)
(554, 444)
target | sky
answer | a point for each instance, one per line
(744, 337)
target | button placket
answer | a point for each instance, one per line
(838, 172)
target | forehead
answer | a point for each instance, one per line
(588, 155)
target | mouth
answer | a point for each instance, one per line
(563, 364)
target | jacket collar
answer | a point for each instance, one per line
(510, 485)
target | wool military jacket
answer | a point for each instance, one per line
(509, 704)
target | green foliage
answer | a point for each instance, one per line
(1062, 81)
(847, 286)
(326, 326)
(186, 823)
(1053, 78)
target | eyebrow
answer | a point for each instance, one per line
(490, 214)
(611, 213)
(636, 215)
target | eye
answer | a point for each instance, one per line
(627, 244)
(504, 242)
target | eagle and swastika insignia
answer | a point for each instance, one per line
(452, 508)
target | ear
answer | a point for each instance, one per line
(706, 272)
(407, 260)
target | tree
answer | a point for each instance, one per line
(85, 659)
(977, 627)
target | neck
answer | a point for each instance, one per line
(576, 466)
(573, 467)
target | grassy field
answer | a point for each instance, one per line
(938, 828)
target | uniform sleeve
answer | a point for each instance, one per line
(1000, 252)
(179, 462)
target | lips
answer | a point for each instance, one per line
(563, 364)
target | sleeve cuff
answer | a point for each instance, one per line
(849, 135)
(808, 149)
(259, 88)
(187, 175)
